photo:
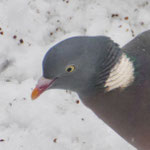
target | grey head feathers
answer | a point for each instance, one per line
(92, 58)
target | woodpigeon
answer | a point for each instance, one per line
(113, 82)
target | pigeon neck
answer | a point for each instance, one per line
(118, 73)
(121, 75)
(97, 85)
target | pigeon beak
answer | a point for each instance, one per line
(42, 85)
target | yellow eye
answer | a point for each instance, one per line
(70, 68)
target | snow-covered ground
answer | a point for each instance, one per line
(56, 121)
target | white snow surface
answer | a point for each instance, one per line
(55, 121)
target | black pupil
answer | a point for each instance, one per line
(69, 69)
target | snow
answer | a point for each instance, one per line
(56, 120)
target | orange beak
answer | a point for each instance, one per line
(43, 85)
(35, 93)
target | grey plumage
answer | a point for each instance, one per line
(92, 64)
(121, 98)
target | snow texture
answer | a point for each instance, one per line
(57, 120)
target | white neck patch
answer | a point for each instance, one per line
(121, 75)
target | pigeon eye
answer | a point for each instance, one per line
(70, 68)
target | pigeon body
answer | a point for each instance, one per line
(113, 82)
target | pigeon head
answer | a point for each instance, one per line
(81, 64)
